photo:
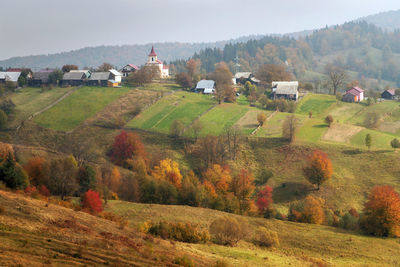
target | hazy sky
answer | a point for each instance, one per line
(47, 26)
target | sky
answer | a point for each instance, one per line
(30, 27)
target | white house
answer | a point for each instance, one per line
(128, 69)
(205, 86)
(115, 75)
(153, 61)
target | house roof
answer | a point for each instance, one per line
(285, 88)
(97, 76)
(10, 76)
(391, 91)
(152, 53)
(115, 72)
(205, 84)
(14, 70)
(355, 91)
(165, 67)
(72, 75)
(41, 75)
(239, 75)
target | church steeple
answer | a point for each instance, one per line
(152, 56)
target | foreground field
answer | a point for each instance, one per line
(81, 105)
(300, 244)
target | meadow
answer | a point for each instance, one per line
(79, 106)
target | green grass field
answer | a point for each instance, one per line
(315, 103)
(162, 87)
(182, 106)
(380, 140)
(31, 99)
(221, 117)
(81, 105)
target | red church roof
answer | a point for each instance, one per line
(152, 53)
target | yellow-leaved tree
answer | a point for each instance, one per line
(168, 170)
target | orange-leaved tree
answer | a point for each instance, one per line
(264, 199)
(126, 146)
(37, 170)
(319, 168)
(313, 211)
(219, 177)
(168, 170)
(382, 212)
(91, 202)
(243, 187)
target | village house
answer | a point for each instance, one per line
(243, 77)
(389, 94)
(40, 78)
(354, 94)
(99, 79)
(9, 77)
(205, 87)
(128, 69)
(115, 76)
(154, 61)
(75, 78)
(285, 90)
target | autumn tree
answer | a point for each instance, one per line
(382, 212)
(337, 76)
(196, 127)
(193, 68)
(219, 177)
(68, 68)
(313, 211)
(243, 187)
(184, 80)
(290, 127)
(372, 120)
(11, 173)
(368, 141)
(210, 150)
(105, 67)
(127, 145)
(91, 202)
(271, 72)
(261, 118)
(319, 168)
(38, 170)
(168, 170)
(223, 79)
(3, 120)
(329, 120)
(264, 199)
(232, 140)
(143, 76)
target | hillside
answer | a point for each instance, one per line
(386, 20)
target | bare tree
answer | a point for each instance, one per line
(233, 141)
(337, 76)
(289, 128)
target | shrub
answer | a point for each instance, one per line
(395, 143)
(91, 202)
(184, 261)
(264, 199)
(372, 120)
(2, 209)
(349, 222)
(313, 212)
(226, 231)
(114, 218)
(329, 120)
(44, 191)
(184, 232)
(261, 118)
(266, 238)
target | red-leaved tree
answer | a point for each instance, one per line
(264, 199)
(121, 149)
(91, 202)
(382, 212)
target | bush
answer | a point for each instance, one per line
(266, 238)
(184, 232)
(372, 120)
(91, 202)
(184, 261)
(348, 222)
(395, 143)
(226, 231)
(44, 191)
(2, 209)
(114, 218)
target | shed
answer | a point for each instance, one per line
(9, 76)
(40, 78)
(73, 78)
(205, 87)
(115, 75)
(354, 94)
(99, 79)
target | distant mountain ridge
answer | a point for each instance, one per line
(389, 20)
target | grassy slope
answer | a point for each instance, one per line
(181, 106)
(81, 105)
(300, 244)
(30, 100)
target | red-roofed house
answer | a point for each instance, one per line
(389, 94)
(354, 94)
(128, 69)
(153, 61)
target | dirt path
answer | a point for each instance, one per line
(48, 107)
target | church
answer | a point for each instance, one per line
(153, 61)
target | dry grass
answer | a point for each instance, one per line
(341, 132)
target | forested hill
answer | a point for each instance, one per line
(116, 55)
(386, 20)
(363, 48)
